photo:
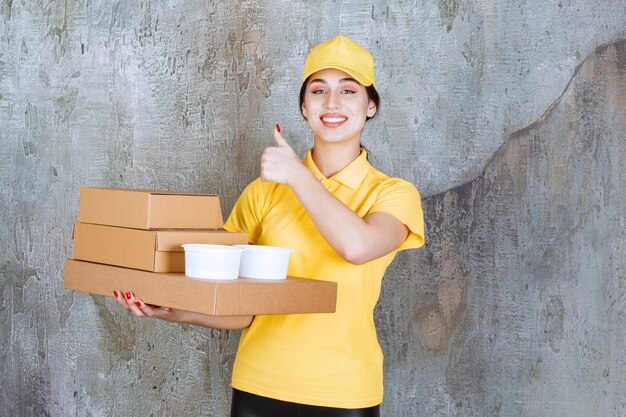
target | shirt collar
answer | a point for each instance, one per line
(352, 175)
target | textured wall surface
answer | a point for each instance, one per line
(508, 115)
(521, 303)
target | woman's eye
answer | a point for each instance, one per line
(346, 91)
(320, 91)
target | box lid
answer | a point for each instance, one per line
(147, 191)
(149, 209)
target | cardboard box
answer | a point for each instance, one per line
(242, 296)
(150, 250)
(145, 209)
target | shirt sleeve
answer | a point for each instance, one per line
(247, 213)
(401, 199)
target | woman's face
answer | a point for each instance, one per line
(336, 106)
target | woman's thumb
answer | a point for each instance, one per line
(279, 137)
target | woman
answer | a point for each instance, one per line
(344, 221)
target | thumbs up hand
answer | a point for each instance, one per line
(280, 163)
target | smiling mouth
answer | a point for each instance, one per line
(333, 121)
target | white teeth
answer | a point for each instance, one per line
(333, 119)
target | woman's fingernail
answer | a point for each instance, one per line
(277, 128)
(138, 303)
(128, 295)
(115, 293)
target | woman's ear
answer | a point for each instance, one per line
(371, 109)
(303, 109)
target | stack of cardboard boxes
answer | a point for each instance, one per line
(130, 240)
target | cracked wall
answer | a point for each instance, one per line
(507, 116)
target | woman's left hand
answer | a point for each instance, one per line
(141, 309)
(280, 163)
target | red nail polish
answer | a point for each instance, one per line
(128, 295)
(277, 128)
(138, 303)
(115, 293)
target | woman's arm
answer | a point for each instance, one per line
(357, 240)
(129, 302)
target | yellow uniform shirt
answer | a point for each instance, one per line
(330, 359)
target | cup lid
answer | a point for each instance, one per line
(269, 250)
(208, 248)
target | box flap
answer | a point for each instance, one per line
(114, 245)
(113, 207)
(184, 210)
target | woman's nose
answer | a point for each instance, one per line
(333, 100)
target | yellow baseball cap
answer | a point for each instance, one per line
(344, 54)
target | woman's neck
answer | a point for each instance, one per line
(330, 158)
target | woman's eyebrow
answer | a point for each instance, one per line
(323, 81)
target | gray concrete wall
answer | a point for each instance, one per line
(508, 115)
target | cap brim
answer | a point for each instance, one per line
(357, 75)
